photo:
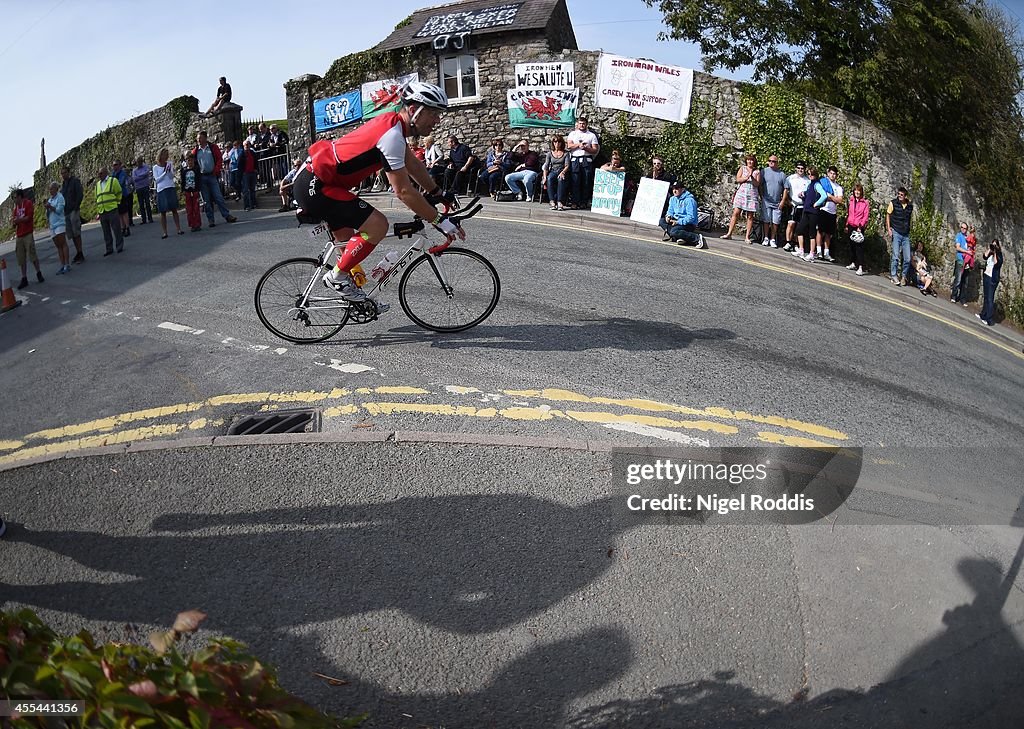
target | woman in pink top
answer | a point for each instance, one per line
(857, 211)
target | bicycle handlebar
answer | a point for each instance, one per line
(408, 230)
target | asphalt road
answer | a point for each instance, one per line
(494, 585)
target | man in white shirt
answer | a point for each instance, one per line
(793, 194)
(583, 148)
(827, 215)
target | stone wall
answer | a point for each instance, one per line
(173, 125)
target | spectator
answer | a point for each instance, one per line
(658, 172)
(286, 186)
(680, 221)
(748, 179)
(166, 195)
(108, 199)
(525, 173)
(615, 164)
(957, 287)
(262, 150)
(223, 97)
(808, 227)
(253, 137)
(583, 147)
(494, 167)
(417, 149)
(191, 183)
(124, 208)
(25, 243)
(247, 166)
(993, 264)
(830, 195)
(923, 271)
(209, 162)
(773, 185)
(460, 164)
(234, 175)
(857, 213)
(969, 258)
(793, 195)
(555, 170)
(142, 178)
(897, 224)
(55, 217)
(73, 196)
(279, 151)
(433, 158)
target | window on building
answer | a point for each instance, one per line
(459, 77)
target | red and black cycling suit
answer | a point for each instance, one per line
(334, 166)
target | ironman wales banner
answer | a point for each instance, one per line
(547, 108)
(644, 87)
(383, 95)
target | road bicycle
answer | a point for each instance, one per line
(442, 287)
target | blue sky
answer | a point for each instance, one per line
(73, 69)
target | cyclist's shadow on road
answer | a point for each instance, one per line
(466, 564)
(632, 335)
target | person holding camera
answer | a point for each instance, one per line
(993, 264)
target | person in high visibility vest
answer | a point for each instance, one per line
(108, 198)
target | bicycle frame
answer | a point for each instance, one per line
(420, 245)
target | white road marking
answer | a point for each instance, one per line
(175, 327)
(660, 433)
(280, 350)
(65, 303)
(351, 368)
(45, 299)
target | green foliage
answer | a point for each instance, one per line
(181, 110)
(358, 68)
(402, 23)
(772, 121)
(126, 685)
(688, 150)
(927, 226)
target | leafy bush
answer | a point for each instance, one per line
(125, 685)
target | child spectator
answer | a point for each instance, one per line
(190, 187)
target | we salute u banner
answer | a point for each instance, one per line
(384, 95)
(542, 108)
(643, 87)
(338, 111)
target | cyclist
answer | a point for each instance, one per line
(322, 186)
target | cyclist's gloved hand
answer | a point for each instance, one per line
(450, 229)
(436, 196)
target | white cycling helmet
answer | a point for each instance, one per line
(426, 94)
(857, 237)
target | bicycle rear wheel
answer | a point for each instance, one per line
(470, 297)
(279, 293)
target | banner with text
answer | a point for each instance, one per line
(650, 200)
(643, 87)
(337, 111)
(608, 187)
(384, 95)
(545, 75)
(546, 108)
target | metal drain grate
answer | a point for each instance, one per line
(280, 421)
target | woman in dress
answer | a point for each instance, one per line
(748, 179)
(166, 194)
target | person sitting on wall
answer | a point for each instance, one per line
(494, 167)
(525, 173)
(287, 197)
(223, 97)
(460, 165)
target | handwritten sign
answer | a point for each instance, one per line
(644, 87)
(608, 187)
(471, 20)
(650, 201)
(545, 75)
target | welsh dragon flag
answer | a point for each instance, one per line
(546, 108)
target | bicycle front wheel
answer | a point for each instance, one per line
(279, 304)
(451, 292)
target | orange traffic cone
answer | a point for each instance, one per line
(7, 299)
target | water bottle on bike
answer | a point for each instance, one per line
(386, 264)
